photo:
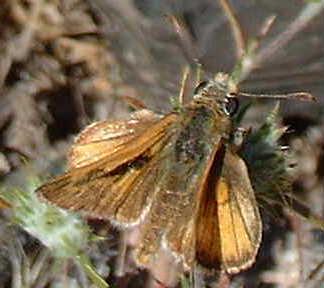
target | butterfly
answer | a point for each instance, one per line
(178, 177)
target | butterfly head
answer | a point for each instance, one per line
(220, 92)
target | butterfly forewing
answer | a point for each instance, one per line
(100, 188)
(101, 139)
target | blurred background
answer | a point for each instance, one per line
(65, 64)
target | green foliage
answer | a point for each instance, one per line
(185, 282)
(269, 164)
(175, 104)
(271, 168)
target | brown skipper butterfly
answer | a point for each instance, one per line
(178, 175)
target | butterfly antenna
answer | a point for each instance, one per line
(301, 96)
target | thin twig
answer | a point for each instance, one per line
(296, 226)
(265, 28)
(40, 262)
(316, 271)
(183, 85)
(189, 46)
(122, 249)
(236, 28)
(247, 58)
(307, 14)
(15, 258)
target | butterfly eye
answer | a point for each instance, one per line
(231, 105)
(200, 87)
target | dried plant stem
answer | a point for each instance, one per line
(91, 273)
(316, 271)
(16, 254)
(296, 226)
(307, 14)
(183, 85)
(189, 46)
(41, 261)
(122, 249)
(236, 28)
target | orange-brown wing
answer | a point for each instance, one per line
(101, 139)
(229, 227)
(170, 222)
(180, 236)
(102, 188)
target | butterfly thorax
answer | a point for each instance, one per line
(201, 127)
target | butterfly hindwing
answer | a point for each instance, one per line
(228, 224)
(238, 215)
